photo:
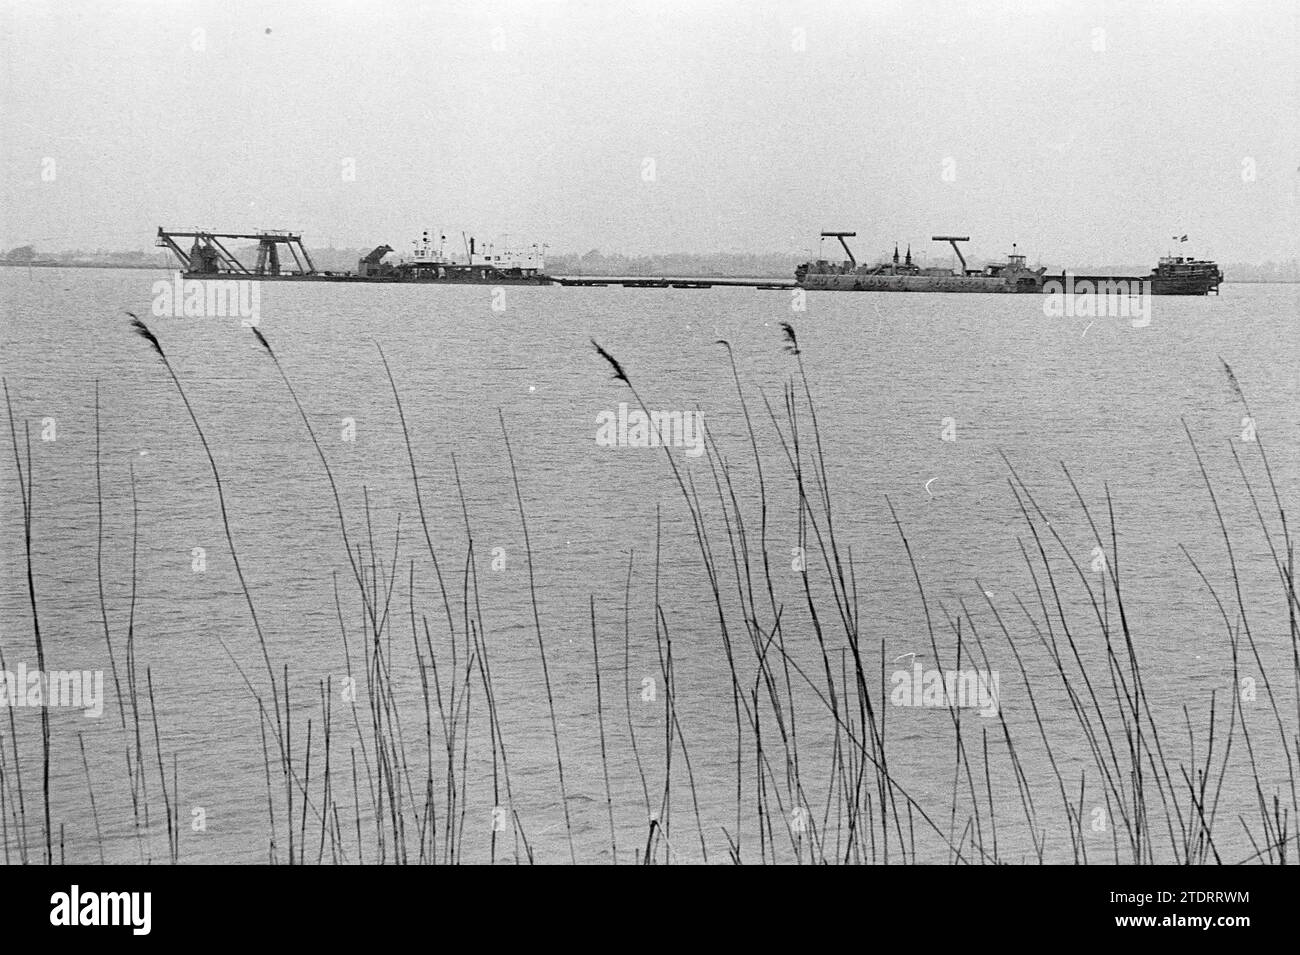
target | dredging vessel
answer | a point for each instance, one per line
(209, 258)
(1011, 276)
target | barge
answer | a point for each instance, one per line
(1012, 276)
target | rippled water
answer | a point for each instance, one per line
(885, 371)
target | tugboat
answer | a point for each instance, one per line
(1183, 275)
(905, 276)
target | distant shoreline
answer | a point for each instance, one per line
(84, 265)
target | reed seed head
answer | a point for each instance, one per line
(262, 339)
(618, 369)
(792, 340)
(141, 329)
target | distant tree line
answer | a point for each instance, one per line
(27, 255)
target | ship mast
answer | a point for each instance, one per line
(841, 236)
(953, 240)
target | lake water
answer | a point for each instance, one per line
(918, 399)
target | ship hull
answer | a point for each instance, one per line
(1188, 286)
(853, 282)
(390, 279)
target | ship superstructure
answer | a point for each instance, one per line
(1184, 275)
(432, 262)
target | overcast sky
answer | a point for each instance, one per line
(1087, 132)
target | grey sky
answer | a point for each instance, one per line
(765, 122)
